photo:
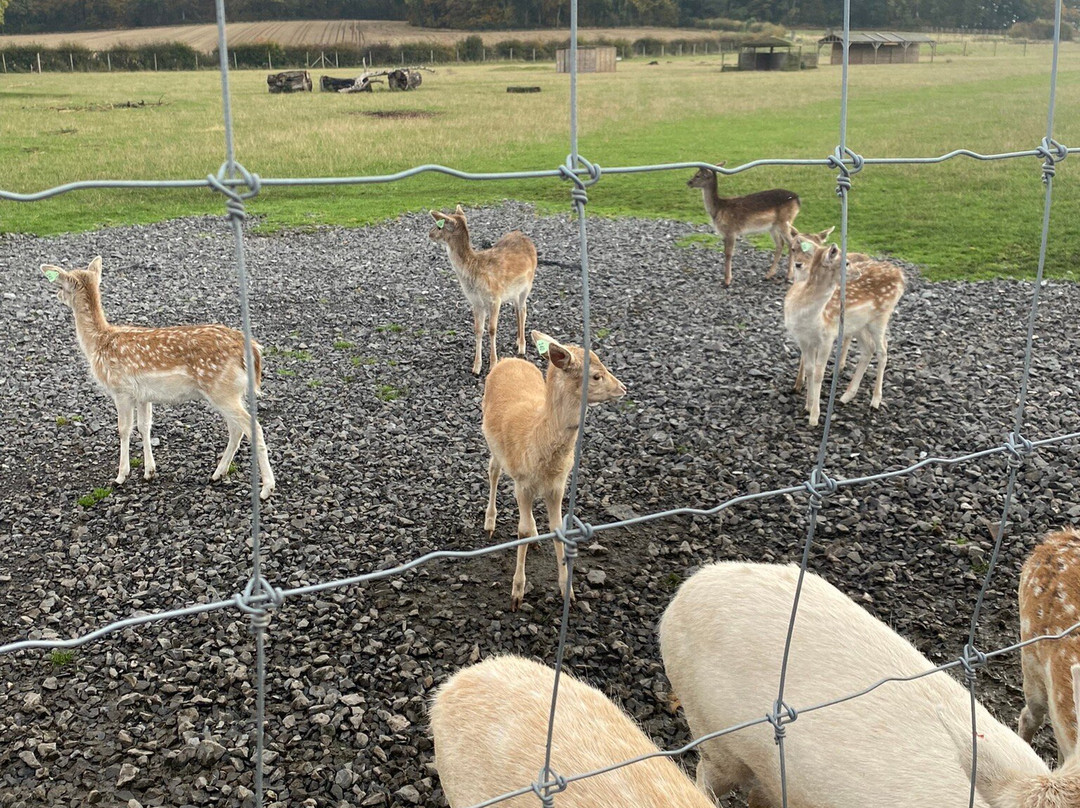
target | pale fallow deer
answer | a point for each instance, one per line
(488, 277)
(773, 211)
(140, 367)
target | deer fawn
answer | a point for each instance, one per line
(488, 277)
(531, 425)
(489, 722)
(142, 366)
(812, 317)
(1049, 604)
(719, 639)
(803, 246)
(771, 211)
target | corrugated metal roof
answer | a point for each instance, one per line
(879, 37)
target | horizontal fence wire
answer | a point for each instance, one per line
(259, 597)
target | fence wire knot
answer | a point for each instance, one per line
(578, 532)
(257, 599)
(234, 199)
(569, 172)
(781, 715)
(1019, 449)
(819, 486)
(836, 160)
(547, 785)
(971, 660)
(1052, 153)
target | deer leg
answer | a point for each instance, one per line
(239, 421)
(479, 317)
(553, 501)
(1036, 700)
(230, 449)
(125, 420)
(146, 421)
(494, 471)
(883, 356)
(800, 372)
(493, 329)
(844, 352)
(779, 251)
(813, 388)
(526, 528)
(866, 353)
(729, 251)
(522, 311)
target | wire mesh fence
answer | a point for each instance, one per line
(260, 597)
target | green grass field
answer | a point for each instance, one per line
(962, 219)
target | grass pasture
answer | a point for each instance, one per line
(961, 219)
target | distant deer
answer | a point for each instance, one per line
(488, 277)
(142, 366)
(1049, 604)
(772, 211)
(812, 317)
(531, 424)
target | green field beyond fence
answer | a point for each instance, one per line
(960, 219)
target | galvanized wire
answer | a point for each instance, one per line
(259, 596)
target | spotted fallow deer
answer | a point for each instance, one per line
(1049, 604)
(531, 424)
(773, 211)
(488, 277)
(803, 246)
(139, 367)
(812, 317)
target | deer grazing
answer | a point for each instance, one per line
(812, 317)
(489, 723)
(531, 424)
(488, 277)
(772, 211)
(1049, 604)
(902, 745)
(139, 367)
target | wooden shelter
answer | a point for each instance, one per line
(773, 53)
(589, 60)
(877, 48)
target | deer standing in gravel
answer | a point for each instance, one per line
(812, 317)
(140, 366)
(1049, 604)
(531, 424)
(772, 211)
(489, 722)
(488, 277)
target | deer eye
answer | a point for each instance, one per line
(597, 376)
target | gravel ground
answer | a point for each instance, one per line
(372, 420)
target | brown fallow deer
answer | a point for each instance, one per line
(139, 367)
(1049, 604)
(812, 317)
(488, 277)
(772, 211)
(531, 424)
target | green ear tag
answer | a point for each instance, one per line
(52, 275)
(542, 346)
(806, 246)
(441, 223)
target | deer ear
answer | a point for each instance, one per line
(436, 215)
(824, 234)
(559, 356)
(720, 163)
(458, 210)
(95, 266)
(52, 273)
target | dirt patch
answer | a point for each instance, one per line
(397, 114)
(107, 107)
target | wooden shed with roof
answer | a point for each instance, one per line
(773, 53)
(877, 48)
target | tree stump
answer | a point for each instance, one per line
(290, 81)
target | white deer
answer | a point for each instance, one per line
(139, 367)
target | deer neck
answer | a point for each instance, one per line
(815, 295)
(90, 322)
(714, 204)
(560, 420)
(461, 252)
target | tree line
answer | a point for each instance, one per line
(34, 16)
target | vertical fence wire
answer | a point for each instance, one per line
(238, 185)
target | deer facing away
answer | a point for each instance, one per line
(903, 745)
(531, 425)
(1049, 604)
(489, 723)
(772, 211)
(140, 366)
(488, 277)
(812, 317)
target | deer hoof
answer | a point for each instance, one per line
(515, 602)
(844, 399)
(149, 472)
(265, 491)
